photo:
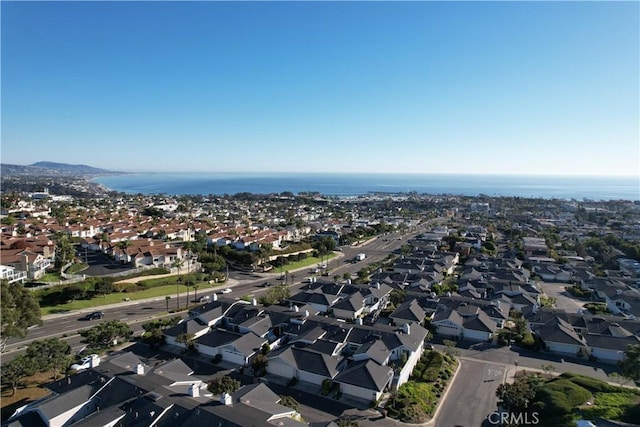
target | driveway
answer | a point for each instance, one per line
(564, 300)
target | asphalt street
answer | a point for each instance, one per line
(472, 395)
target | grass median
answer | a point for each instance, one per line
(116, 297)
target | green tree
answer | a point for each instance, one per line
(223, 384)
(105, 334)
(8, 220)
(178, 263)
(188, 339)
(104, 287)
(74, 291)
(64, 249)
(275, 295)
(13, 372)
(630, 364)
(517, 396)
(397, 296)
(290, 402)
(153, 334)
(18, 310)
(266, 348)
(521, 325)
(259, 364)
(52, 353)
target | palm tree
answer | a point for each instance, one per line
(123, 246)
(178, 263)
(188, 247)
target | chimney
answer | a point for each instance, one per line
(359, 320)
(140, 369)
(306, 313)
(225, 398)
(296, 308)
(194, 390)
(254, 302)
(406, 328)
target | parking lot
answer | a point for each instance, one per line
(99, 264)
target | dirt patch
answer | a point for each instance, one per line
(31, 390)
(141, 278)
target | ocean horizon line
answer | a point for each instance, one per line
(501, 174)
(354, 184)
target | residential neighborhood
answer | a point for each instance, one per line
(491, 271)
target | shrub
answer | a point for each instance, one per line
(592, 384)
(560, 396)
(430, 374)
(528, 340)
(224, 384)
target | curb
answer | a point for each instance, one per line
(443, 398)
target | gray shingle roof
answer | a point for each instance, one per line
(409, 310)
(366, 374)
(217, 338)
(560, 331)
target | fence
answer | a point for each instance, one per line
(79, 278)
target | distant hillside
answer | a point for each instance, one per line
(71, 169)
(52, 169)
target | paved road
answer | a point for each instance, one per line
(472, 395)
(529, 359)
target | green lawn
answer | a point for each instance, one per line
(75, 268)
(116, 297)
(50, 277)
(615, 406)
(307, 262)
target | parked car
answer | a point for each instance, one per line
(266, 284)
(205, 298)
(226, 291)
(93, 316)
(85, 362)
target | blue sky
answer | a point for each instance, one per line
(412, 87)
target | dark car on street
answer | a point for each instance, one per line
(93, 316)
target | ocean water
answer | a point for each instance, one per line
(547, 187)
